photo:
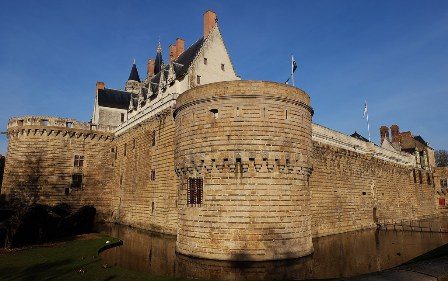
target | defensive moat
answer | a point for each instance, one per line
(335, 256)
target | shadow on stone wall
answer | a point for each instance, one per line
(2, 170)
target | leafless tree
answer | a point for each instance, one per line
(441, 158)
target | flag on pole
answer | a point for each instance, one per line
(366, 115)
(293, 69)
(294, 64)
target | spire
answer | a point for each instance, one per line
(133, 76)
(159, 60)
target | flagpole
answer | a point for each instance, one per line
(292, 70)
(366, 113)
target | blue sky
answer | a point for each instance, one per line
(394, 54)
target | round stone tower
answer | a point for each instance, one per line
(242, 158)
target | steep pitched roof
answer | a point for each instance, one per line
(114, 98)
(187, 57)
(181, 64)
(359, 137)
(134, 74)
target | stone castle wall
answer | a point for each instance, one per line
(143, 180)
(355, 185)
(250, 142)
(40, 162)
(272, 179)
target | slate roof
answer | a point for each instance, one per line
(181, 64)
(134, 74)
(421, 140)
(359, 137)
(114, 98)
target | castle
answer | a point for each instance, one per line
(236, 169)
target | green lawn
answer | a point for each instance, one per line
(72, 260)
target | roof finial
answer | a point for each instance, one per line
(159, 47)
(133, 62)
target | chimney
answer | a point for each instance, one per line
(180, 46)
(100, 86)
(150, 67)
(384, 133)
(395, 132)
(172, 52)
(209, 22)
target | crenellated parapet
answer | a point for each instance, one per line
(244, 163)
(55, 126)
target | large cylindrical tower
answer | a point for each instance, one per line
(242, 157)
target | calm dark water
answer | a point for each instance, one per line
(334, 256)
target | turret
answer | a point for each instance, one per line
(133, 83)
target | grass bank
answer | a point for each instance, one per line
(71, 260)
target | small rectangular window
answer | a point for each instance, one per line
(214, 113)
(222, 67)
(205, 61)
(198, 79)
(79, 161)
(125, 149)
(420, 177)
(76, 180)
(195, 191)
(69, 124)
(45, 122)
(415, 176)
(153, 175)
(428, 179)
(122, 117)
(67, 191)
(133, 144)
(153, 138)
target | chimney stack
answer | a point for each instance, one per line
(150, 67)
(210, 20)
(173, 51)
(384, 133)
(180, 46)
(100, 86)
(395, 132)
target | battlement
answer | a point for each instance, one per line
(54, 123)
(334, 138)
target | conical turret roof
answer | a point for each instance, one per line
(134, 73)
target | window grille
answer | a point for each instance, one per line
(79, 161)
(76, 180)
(195, 191)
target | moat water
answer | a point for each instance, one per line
(334, 256)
